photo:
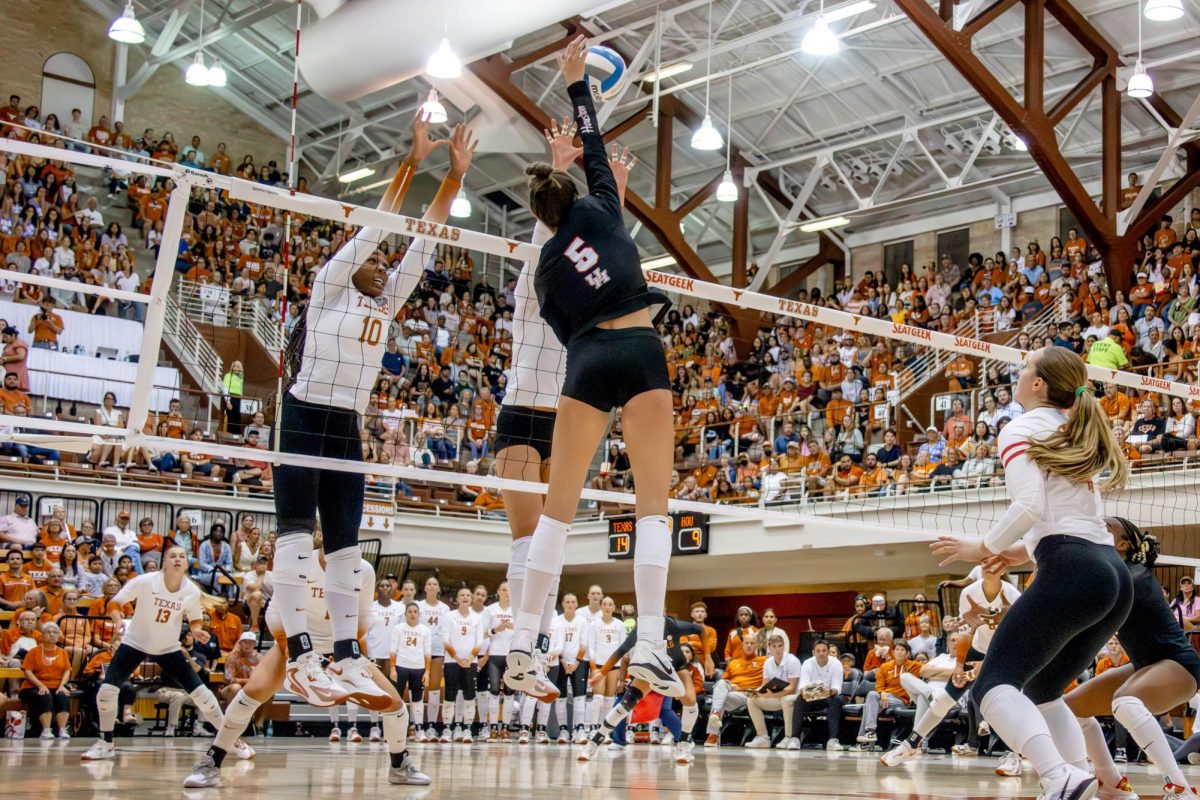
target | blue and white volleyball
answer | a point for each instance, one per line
(605, 73)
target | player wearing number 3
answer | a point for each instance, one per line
(163, 600)
(593, 296)
(333, 359)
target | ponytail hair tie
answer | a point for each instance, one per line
(1080, 390)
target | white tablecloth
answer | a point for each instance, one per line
(71, 377)
(90, 331)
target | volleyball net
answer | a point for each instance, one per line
(772, 436)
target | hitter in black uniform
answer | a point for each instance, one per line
(592, 294)
(1163, 673)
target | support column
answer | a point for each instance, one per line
(120, 70)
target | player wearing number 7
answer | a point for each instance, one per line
(163, 600)
(332, 360)
(593, 296)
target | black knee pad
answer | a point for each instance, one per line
(631, 698)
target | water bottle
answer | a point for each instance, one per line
(269, 731)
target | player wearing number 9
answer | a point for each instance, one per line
(592, 294)
(332, 360)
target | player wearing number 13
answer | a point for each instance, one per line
(592, 293)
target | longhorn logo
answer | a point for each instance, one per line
(512, 246)
(737, 294)
(857, 319)
(346, 210)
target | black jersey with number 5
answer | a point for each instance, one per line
(589, 271)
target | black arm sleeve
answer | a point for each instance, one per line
(626, 645)
(600, 181)
(687, 629)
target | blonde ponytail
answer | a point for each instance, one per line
(1085, 446)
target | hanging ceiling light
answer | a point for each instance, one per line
(197, 73)
(1163, 10)
(216, 74)
(820, 39)
(126, 29)
(443, 63)
(461, 207)
(727, 190)
(433, 109)
(706, 136)
(1140, 84)
(355, 175)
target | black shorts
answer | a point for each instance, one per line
(608, 368)
(522, 426)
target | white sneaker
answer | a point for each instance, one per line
(407, 774)
(649, 662)
(1175, 792)
(1123, 791)
(759, 743)
(335, 735)
(964, 749)
(99, 751)
(46, 735)
(1009, 766)
(306, 679)
(63, 736)
(524, 673)
(204, 775)
(523, 736)
(1074, 784)
(667, 739)
(682, 753)
(581, 736)
(588, 751)
(466, 736)
(242, 750)
(791, 743)
(867, 737)
(355, 737)
(457, 735)
(899, 754)
(419, 736)
(834, 746)
(655, 736)
(375, 735)
(541, 737)
(354, 676)
(562, 737)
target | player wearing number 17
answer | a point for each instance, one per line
(593, 296)
(332, 360)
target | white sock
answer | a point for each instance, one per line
(416, 711)
(289, 574)
(560, 711)
(433, 702)
(541, 568)
(579, 711)
(600, 704)
(351, 713)
(1064, 730)
(342, 587)
(543, 711)
(1097, 750)
(1137, 719)
(549, 607)
(1015, 719)
(395, 730)
(939, 706)
(459, 705)
(334, 715)
(374, 717)
(651, 558)
(517, 557)
(238, 714)
(468, 714)
(687, 720)
(528, 707)
(448, 713)
(493, 712)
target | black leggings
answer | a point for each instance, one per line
(315, 430)
(410, 678)
(38, 704)
(495, 674)
(577, 679)
(1081, 595)
(458, 679)
(174, 665)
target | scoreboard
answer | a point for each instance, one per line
(689, 535)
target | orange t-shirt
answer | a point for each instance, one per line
(54, 547)
(887, 678)
(14, 587)
(50, 670)
(149, 542)
(1117, 408)
(42, 332)
(702, 645)
(54, 600)
(1106, 663)
(745, 673)
(227, 629)
(37, 573)
(10, 636)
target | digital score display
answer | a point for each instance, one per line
(689, 535)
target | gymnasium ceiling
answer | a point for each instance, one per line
(856, 108)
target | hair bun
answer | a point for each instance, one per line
(539, 170)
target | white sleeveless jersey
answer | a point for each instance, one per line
(984, 633)
(431, 616)
(535, 374)
(345, 331)
(603, 640)
(159, 614)
(498, 643)
(379, 635)
(568, 637)
(317, 612)
(410, 645)
(463, 634)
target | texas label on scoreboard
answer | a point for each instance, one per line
(689, 535)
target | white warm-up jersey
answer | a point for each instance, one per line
(345, 331)
(379, 635)
(785, 670)
(830, 675)
(499, 643)
(159, 614)
(943, 661)
(410, 645)
(603, 639)
(1042, 504)
(317, 612)
(432, 616)
(984, 633)
(535, 374)
(567, 637)
(464, 634)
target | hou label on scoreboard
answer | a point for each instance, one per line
(689, 535)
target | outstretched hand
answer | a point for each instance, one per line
(953, 549)
(621, 162)
(462, 150)
(563, 151)
(571, 61)
(421, 144)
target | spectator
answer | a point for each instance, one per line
(747, 623)
(257, 588)
(11, 396)
(91, 582)
(882, 651)
(743, 674)
(704, 646)
(821, 682)
(150, 544)
(1148, 429)
(934, 447)
(924, 641)
(14, 583)
(17, 528)
(214, 556)
(239, 664)
(14, 357)
(770, 628)
(234, 382)
(45, 690)
(226, 627)
(889, 693)
(196, 462)
(106, 452)
(781, 675)
(110, 556)
(249, 472)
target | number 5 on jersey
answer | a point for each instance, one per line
(585, 259)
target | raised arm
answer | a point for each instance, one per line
(600, 182)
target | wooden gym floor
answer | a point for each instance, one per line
(287, 769)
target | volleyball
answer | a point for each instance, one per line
(605, 73)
